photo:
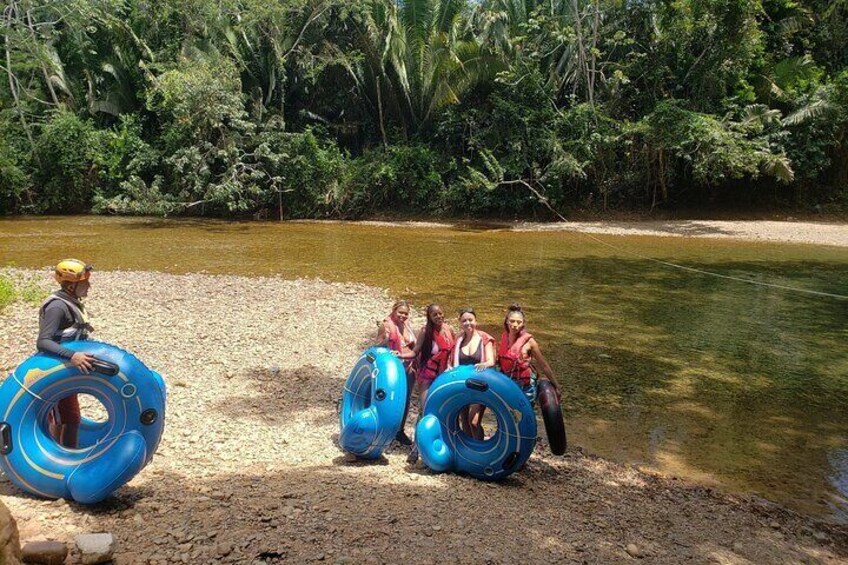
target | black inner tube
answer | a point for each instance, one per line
(552, 415)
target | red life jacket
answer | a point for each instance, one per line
(438, 361)
(398, 338)
(511, 361)
(484, 340)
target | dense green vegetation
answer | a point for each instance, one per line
(315, 108)
(17, 286)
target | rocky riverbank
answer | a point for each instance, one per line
(833, 233)
(816, 233)
(248, 469)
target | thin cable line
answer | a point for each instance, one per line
(713, 274)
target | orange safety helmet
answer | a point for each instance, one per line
(73, 271)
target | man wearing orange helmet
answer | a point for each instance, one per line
(62, 318)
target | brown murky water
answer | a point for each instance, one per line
(713, 380)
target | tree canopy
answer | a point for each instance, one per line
(317, 108)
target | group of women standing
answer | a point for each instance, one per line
(437, 347)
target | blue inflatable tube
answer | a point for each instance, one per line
(373, 403)
(110, 453)
(444, 447)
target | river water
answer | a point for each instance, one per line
(717, 381)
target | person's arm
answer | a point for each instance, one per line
(49, 325)
(451, 356)
(490, 355)
(382, 335)
(412, 354)
(419, 340)
(541, 362)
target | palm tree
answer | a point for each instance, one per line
(263, 38)
(417, 57)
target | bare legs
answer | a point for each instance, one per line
(410, 383)
(423, 388)
(475, 420)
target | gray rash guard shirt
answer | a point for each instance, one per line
(57, 317)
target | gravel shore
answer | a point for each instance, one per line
(815, 233)
(249, 471)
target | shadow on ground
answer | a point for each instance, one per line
(569, 510)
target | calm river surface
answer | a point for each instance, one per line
(721, 382)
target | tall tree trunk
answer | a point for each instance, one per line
(44, 72)
(380, 111)
(592, 67)
(578, 30)
(11, 14)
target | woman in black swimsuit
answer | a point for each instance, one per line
(473, 347)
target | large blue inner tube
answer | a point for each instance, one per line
(373, 403)
(444, 447)
(110, 453)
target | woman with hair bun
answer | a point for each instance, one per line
(518, 353)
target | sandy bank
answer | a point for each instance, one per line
(248, 469)
(817, 233)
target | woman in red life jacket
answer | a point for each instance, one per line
(433, 347)
(517, 350)
(397, 334)
(473, 347)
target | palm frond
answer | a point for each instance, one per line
(760, 114)
(810, 111)
(779, 167)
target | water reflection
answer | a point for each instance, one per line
(714, 380)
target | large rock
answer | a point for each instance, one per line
(10, 544)
(45, 552)
(95, 548)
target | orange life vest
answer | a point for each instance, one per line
(399, 337)
(437, 363)
(512, 361)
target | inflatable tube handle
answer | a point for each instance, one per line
(477, 384)
(149, 417)
(105, 367)
(511, 460)
(5, 438)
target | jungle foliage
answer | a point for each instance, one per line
(325, 108)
